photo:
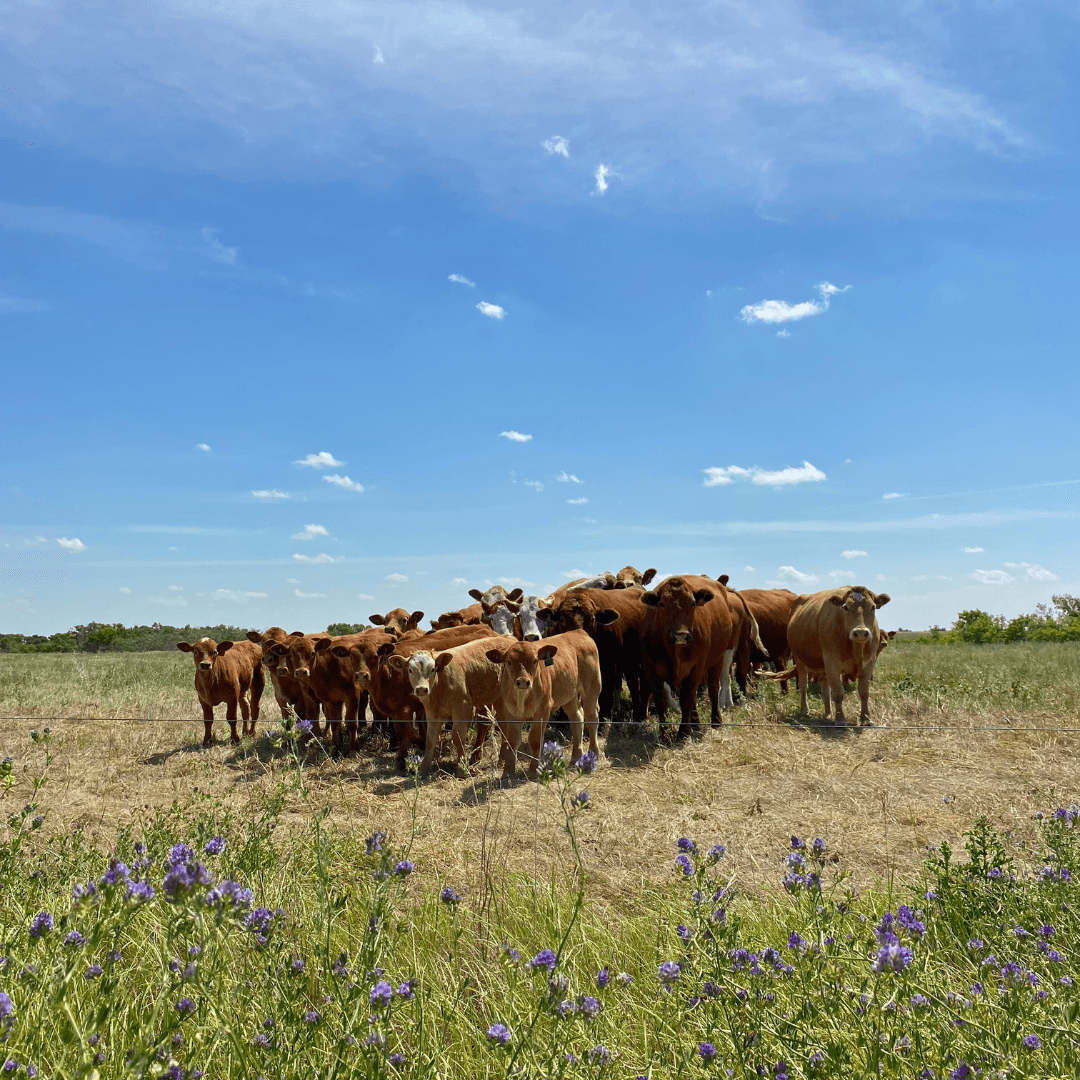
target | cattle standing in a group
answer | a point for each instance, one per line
(562, 671)
(227, 672)
(834, 634)
(518, 619)
(771, 609)
(688, 637)
(398, 619)
(289, 693)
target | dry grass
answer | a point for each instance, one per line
(879, 796)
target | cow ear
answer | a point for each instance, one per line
(544, 614)
(443, 660)
(378, 620)
(892, 634)
(414, 619)
(547, 653)
(183, 646)
(882, 599)
(322, 644)
(223, 647)
(650, 598)
(648, 575)
(385, 649)
(476, 594)
(517, 594)
(254, 636)
(723, 579)
(837, 600)
(512, 606)
(702, 596)
(607, 617)
(277, 649)
(296, 633)
(339, 651)
(496, 656)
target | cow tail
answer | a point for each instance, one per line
(755, 635)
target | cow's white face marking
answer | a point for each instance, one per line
(493, 596)
(605, 580)
(501, 620)
(531, 630)
(421, 671)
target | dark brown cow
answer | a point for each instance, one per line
(688, 636)
(467, 616)
(835, 634)
(289, 693)
(398, 619)
(771, 609)
(613, 619)
(227, 672)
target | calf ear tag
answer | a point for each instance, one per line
(549, 661)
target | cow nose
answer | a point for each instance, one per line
(205, 665)
(523, 684)
(860, 633)
(532, 637)
(303, 672)
(681, 637)
(421, 691)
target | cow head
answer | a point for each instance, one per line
(204, 650)
(858, 608)
(422, 668)
(495, 595)
(606, 580)
(674, 603)
(500, 617)
(630, 578)
(521, 662)
(447, 620)
(577, 612)
(299, 653)
(362, 658)
(398, 619)
(530, 618)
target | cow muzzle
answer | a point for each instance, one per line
(523, 684)
(860, 633)
(682, 637)
(532, 637)
(205, 665)
(420, 691)
(302, 672)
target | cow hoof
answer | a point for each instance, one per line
(235, 740)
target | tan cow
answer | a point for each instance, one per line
(562, 671)
(227, 672)
(466, 616)
(398, 619)
(834, 633)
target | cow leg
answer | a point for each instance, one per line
(865, 675)
(592, 724)
(230, 715)
(332, 711)
(688, 705)
(835, 679)
(245, 710)
(208, 723)
(431, 745)
(826, 696)
(537, 731)
(351, 732)
(576, 716)
(802, 678)
(510, 731)
(258, 685)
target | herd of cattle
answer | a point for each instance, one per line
(513, 660)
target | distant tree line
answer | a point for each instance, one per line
(115, 637)
(1059, 621)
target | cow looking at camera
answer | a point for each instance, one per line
(227, 672)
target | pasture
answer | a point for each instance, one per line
(960, 733)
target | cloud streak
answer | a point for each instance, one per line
(779, 311)
(515, 436)
(492, 311)
(321, 460)
(344, 482)
(805, 473)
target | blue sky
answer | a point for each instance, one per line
(774, 291)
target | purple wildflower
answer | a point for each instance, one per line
(590, 1007)
(544, 959)
(42, 924)
(587, 762)
(403, 868)
(397, 1060)
(684, 864)
(93, 971)
(312, 1017)
(499, 1035)
(1032, 1042)
(600, 1055)
(449, 897)
(668, 972)
(215, 846)
(603, 978)
(381, 995)
(707, 1052)
(185, 1006)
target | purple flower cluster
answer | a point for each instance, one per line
(7, 1015)
(544, 959)
(184, 873)
(449, 897)
(215, 846)
(499, 1035)
(891, 954)
(42, 924)
(587, 762)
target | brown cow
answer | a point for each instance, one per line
(562, 671)
(771, 609)
(689, 636)
(466, 616)
(398, 619)
(289, 693)
(629, 578)
(835, 633)
(227, 671)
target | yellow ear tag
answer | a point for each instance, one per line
(548, 661)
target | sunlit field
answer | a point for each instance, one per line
(343, 947)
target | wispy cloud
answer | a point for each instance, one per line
(462, 280)
(557, 145)
(492, 311)
(789, 573)
(577, 502)
(176, 588)
(459, 581)
(842, 575)
(203, 447)
(310, 532)
(321, 460)
(778, 311)
(322, 557)
(715, 477)
(399, 578)
(216, 250)
(972, 550)
(125, 590)
(992, 577)
(896, 495)
(234, 596)
(601, 177)
(13, 304)
(377, 57)
(514, 436)
(74, 544)
(854, 553)
(568, 478)
(749, 570)
(364, 596)
(308, 595)
(535, 484)
(343, 482)
(1033, 571)
(270, 493)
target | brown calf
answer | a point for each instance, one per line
(289, 693)
(398, 619)
(227, 672)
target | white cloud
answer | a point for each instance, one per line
(320, 558)
(462, 280)
(516, 582)
(972, 550)
(533, 484)
(270, 493)
(571, 574)
(216, 250)
(992, 577)
(308, 595)
(343, 482)
(236, 597)
(321, 460)
(601, 177)
(557, 145)
(13, 304)
(568, 478)
(895, 495)
(202, 446)
(309, 532)
(364, 596)
(842, 575)
(778, 311)
(397, 577)
(514, 436)
(783, 333)
(74, 544)
(854, 553)
(577, 502)
(292, 581)
(715, 477)
(789, 573)
(1033, 571)
(176, 588)
(459, 581)
(125, 590)
(492, 311)
(749, 569)
(378, 57)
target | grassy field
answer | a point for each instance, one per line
(596, 884)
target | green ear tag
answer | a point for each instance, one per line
(549, 661)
